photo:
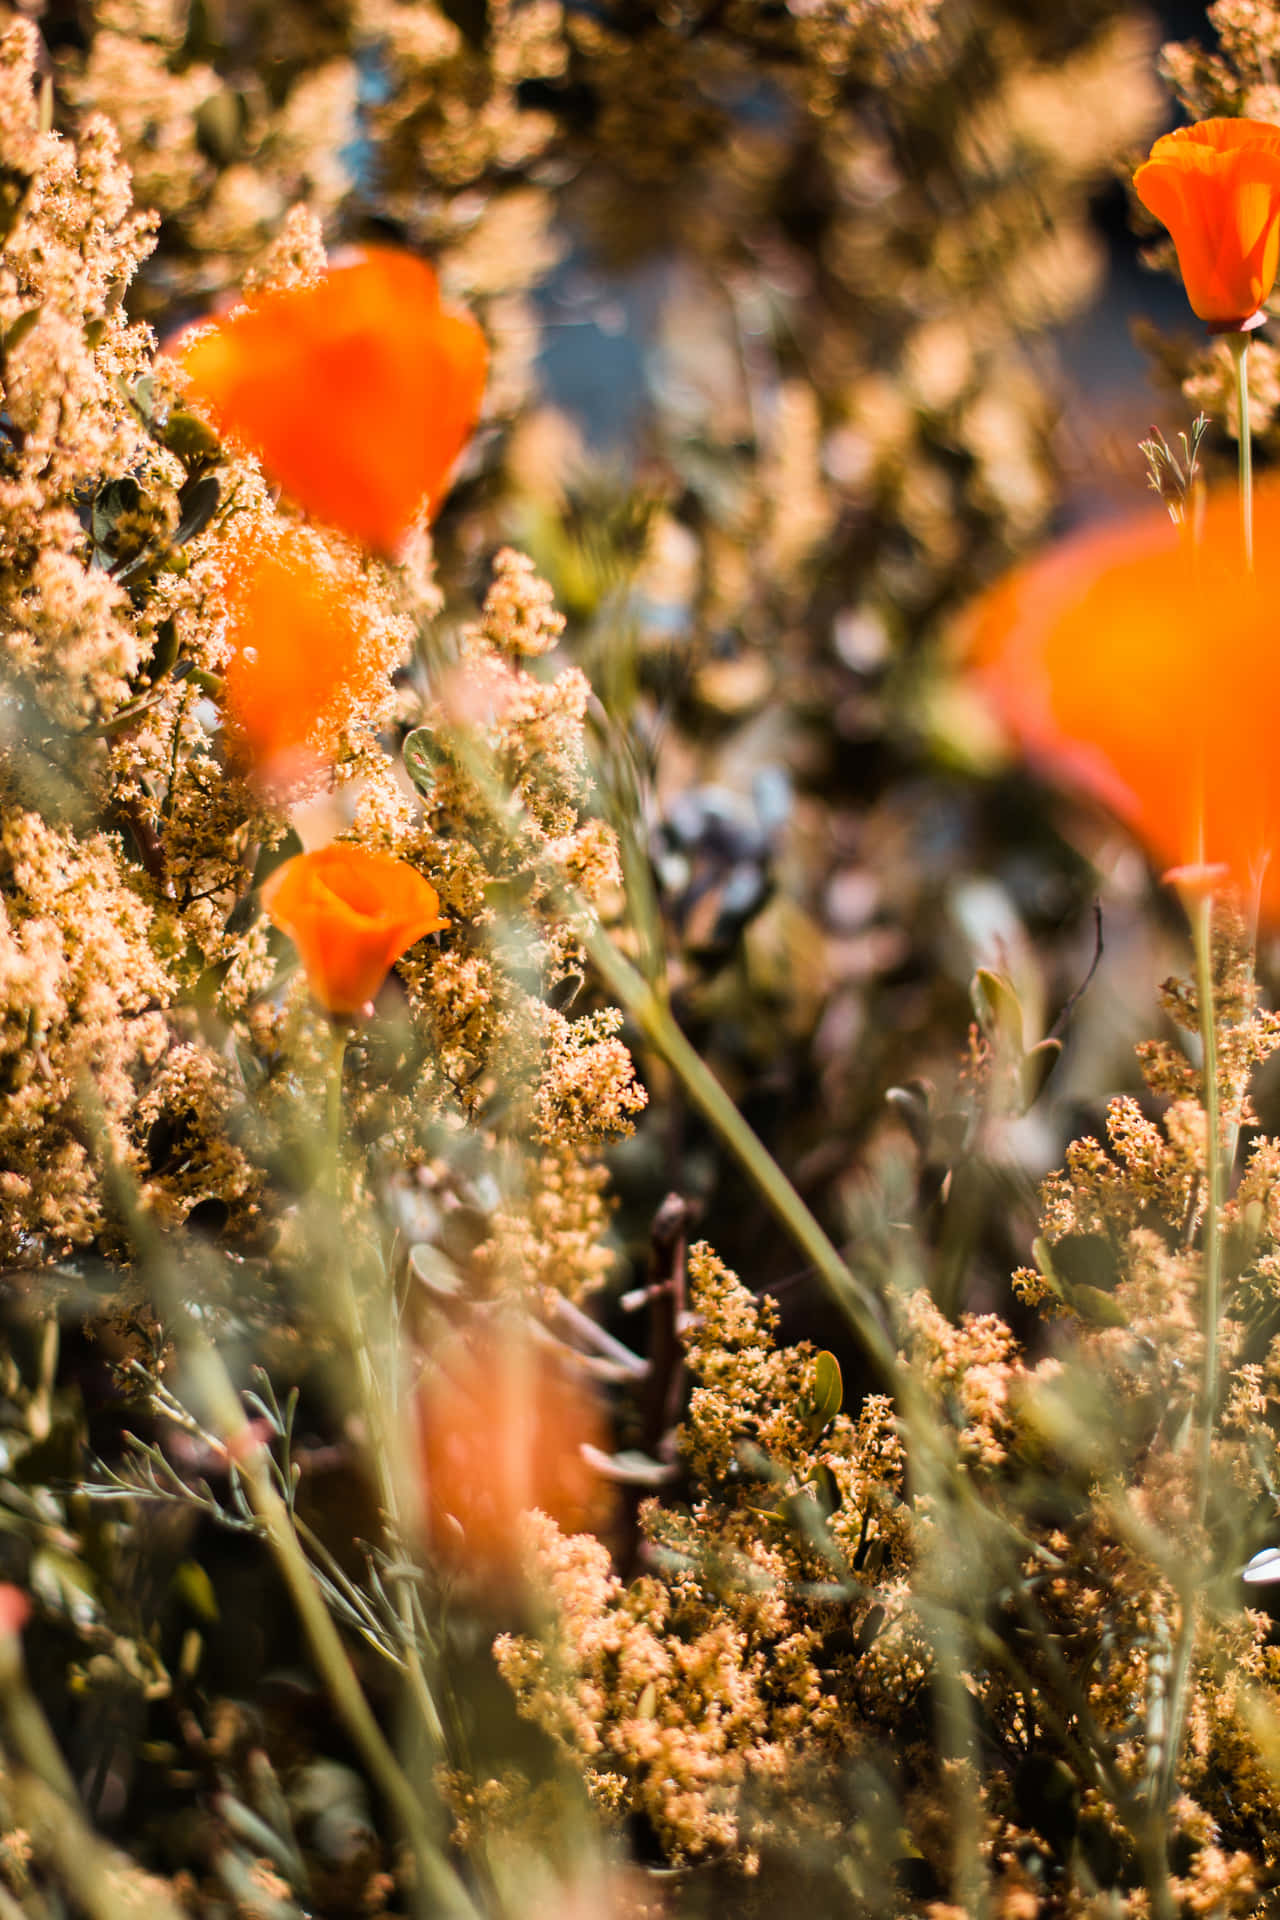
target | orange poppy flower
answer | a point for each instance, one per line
(502, 1431)
(357, 392)
(301, 660)
(1216, 187)
(1142, 666)
(351, 914)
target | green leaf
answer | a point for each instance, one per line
(199, 502)
(1035, 1067)
(507, 894)
(998, 1010)
(1096, 1308)
(64, 1584)
(421, 758)
(194, 1586)
(435, 1270)
(828, 1389)
(113, 498)
(272, 857)
(164, 650)
(17, 330)
(139, 393)
(220, 126)
(1047, 1270)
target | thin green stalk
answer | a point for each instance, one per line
(384, 1439)
(1202, 933)
(656, 1022)
(1203, 928)
(1240, 348)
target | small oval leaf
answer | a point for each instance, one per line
(998, 1009)
(1096, 1308)
(421, 759)
(199, 502)
(828, 1389)
(17, 330)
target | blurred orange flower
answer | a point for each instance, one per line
(301, 661)
(357, 392)
(351, 914)
(1216, 187)
(502, 1431)
(1143, 666)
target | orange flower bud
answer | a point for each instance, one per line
(502, 1431)
(351, 914)
(301, 663)
(357, 392)
(1216, 187)
(1142, 666)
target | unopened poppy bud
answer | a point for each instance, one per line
(1216, 187)
(351, 913)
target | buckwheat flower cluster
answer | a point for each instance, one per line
(711, 1696)
(182, 1131)
(80, 1029)
(977, 1367)
(70, 242)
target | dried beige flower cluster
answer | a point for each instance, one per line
(775, 1641)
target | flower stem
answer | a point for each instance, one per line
(1214, 1199)
(654, 1018)
(1240, 348)
(1202, 933)
(384, 1439)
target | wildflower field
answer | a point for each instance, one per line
(639, 910)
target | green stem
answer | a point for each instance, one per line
(384, 1437)
(659, 1027)
(333, 1104)
(1214, 1199)
(1240, 348)
(1202, 932)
